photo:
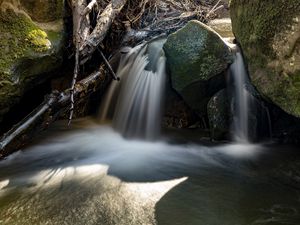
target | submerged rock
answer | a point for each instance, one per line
(269, 33)
(195, 55)
(28, 50)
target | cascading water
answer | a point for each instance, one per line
(92, 175)
(139, 95)
(241, 96)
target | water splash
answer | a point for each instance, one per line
(241, 96)
(138, 97)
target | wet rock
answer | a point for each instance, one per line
(221, 111)
(28, 50)
(269, 33)
(196, 56)
(219, 115)
(177, 114)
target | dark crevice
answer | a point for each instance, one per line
(27, 103)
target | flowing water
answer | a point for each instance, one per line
(241, 98)
(93, 175)
(139, 95)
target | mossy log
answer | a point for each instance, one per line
(55, 105)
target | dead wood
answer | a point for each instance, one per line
(169, 15)
(104, 21)
(87, 42)
(55, 105)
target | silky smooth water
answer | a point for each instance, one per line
(93, 175)
(136, 101)
(241, 98)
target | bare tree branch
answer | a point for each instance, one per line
(54, 105)
(104, 22)
(89, 8)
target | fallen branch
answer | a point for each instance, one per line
(55, 105)
(89, 7)
(85, 42)
(104, 22)
(115, 77)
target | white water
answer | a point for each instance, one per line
(241, 106)
(139, 95)
(93, 175)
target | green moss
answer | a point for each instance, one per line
(255, 24)
(25, 54)
(284, 92)
(18, 36)
(195, 53)
(38, 39)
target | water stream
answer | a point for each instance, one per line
(94, 175)
(241, 99)
(139, 95)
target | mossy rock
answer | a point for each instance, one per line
(195, 55)
(43, 11)
(269, 33)
(27, 53)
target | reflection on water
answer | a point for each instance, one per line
(92, 175)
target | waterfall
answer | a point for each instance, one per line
(135, 102)
(241, 98)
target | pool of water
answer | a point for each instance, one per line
(92, 175)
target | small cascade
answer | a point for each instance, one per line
(135, 102)
(241, 96)
(107, 106)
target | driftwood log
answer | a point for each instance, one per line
(54, 105)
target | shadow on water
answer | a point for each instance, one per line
(92, 175)
(229, 199)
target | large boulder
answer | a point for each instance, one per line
(28, 50)
(269, 33)
(196, 55)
